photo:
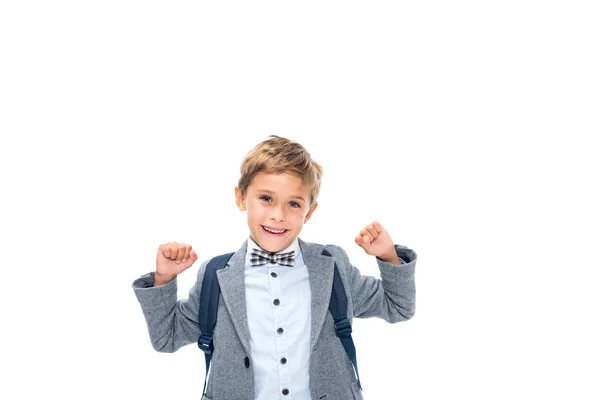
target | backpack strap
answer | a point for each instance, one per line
(209, 304)
(338, 306)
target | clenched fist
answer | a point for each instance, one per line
(172, 259)
(375, 241)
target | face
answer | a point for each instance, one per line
(278, 206)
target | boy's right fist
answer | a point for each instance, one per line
(172, 259)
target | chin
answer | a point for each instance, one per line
(274, 247)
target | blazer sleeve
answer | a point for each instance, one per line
(171, 323)
(392, 297)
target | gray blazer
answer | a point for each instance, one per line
(172, 323)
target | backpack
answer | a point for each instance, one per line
(209, 302)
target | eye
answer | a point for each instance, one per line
(265, 198)
(294, 204)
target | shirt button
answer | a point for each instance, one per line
(280, 330)
(283, 360)
(285, 392)
(276, 302)
(273, 274)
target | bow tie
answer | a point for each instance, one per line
(260, 257)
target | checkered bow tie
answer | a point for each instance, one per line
(260, 257)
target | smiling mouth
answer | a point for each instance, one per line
(274, 231)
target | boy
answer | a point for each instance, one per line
(275, 337)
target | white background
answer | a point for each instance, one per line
(468, 129)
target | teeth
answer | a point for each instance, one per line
(273, 230)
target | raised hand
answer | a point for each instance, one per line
(377, 242)
(172, 259)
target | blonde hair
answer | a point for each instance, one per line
(278, 155)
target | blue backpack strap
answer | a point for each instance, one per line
(209, 304)
(338, 306)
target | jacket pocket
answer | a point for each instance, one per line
(331, 389)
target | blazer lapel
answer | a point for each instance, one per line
(233, 290)
(320, 276)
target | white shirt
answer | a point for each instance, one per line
(279, 298)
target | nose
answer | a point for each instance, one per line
(278, 214)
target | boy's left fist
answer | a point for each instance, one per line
(377, 242)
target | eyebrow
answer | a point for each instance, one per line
(272, 192)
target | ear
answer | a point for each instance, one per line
(239, 199)
(310, 212)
